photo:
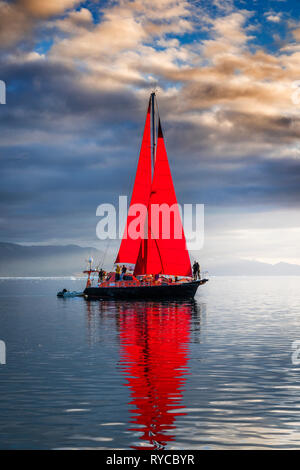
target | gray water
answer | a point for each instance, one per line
(213, 373)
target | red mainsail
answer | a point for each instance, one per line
(165, 251)
(129, 248)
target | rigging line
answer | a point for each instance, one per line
(157, 110)
(105, 253)
(162, 266)
(192, 257)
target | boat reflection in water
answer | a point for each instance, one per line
(154, 359)
(154, 354)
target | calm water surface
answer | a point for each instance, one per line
(213, 373)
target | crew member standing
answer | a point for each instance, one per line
(196, 270)
(199, 272)
(118, 270)
(124, 269)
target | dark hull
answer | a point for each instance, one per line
(185, 290)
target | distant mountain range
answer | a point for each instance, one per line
(241, 267)
(18, 260)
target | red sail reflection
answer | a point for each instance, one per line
(154, 355)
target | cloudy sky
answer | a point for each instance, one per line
(78, 77)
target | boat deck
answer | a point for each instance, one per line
(140, 290)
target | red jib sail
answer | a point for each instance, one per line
(165, 251)
(130, 246)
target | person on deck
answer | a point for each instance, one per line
(118, 270)
(196, 270)
(124, 269)
(101, 275)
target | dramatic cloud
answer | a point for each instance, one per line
(15, 24)
(78, 77)
(19, 18)
(46, 8)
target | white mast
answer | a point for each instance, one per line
(153, 127)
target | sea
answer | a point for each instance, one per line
(221, 371)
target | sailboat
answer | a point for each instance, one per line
(162, 266)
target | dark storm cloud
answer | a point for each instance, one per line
(76, 148)
(60, 157)
(42, 92)
(69, 144)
